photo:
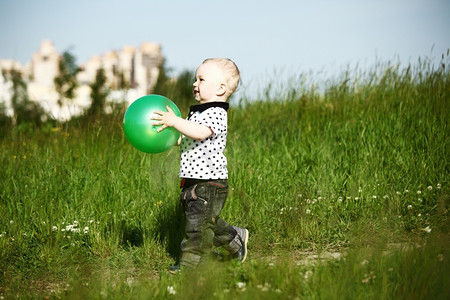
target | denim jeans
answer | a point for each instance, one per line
(202, 203)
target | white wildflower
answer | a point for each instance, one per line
(308, 211)
(340, 199)
(308, 274)
(54, 228)
(86, 230)
(427, 229)
(171, 290)
(264, 288)
(410, 207)
(75, 223)
(374, 197)
(419, 192)
(438, 186)
(429, 187)
(241, 285)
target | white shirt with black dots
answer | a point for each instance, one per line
(205, 159)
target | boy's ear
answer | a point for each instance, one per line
(221, 90)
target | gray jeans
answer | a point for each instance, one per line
(202, 203)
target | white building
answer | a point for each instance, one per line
(139, 67)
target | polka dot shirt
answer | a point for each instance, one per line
(205, 159)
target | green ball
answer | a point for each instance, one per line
(139, 129)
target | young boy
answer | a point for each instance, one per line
(203, 167)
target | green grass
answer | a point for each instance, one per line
(358, 167)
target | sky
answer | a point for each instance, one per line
(265, 38)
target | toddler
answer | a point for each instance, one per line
(203, 166)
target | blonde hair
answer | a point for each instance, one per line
(231, 71)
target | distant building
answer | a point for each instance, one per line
(131, 73)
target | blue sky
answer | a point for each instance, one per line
(261, 36)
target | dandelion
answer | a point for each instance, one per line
(410, 207)
(171, 290)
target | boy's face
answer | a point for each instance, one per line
(209, 83)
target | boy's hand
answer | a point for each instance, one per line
(165, 118)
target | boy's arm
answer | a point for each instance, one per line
(190, 129)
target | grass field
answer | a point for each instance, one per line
(344, 189)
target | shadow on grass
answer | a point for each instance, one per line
(169, 229)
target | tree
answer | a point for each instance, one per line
(24, 109)
(99, 93)
(66, 82)
(177, 89)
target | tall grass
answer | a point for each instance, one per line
(359, 166)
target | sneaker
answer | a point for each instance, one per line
(175, 269)
(242, 233)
